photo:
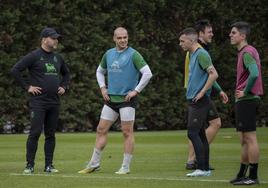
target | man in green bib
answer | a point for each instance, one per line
(127, 75)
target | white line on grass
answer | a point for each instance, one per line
(128, 178)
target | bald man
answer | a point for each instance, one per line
(127, 75)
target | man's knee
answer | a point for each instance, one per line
(250, 137)
(215, 123)
(49, 134)
(35, 133)
(127, 133)
(127, 128)
(101, 130)
(192, 134)
(103, 127)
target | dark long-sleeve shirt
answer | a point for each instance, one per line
(47, 70)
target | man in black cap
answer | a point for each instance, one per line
(45, 69)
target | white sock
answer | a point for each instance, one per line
(95, 159)
(126, 160)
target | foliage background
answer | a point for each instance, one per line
(153, 26)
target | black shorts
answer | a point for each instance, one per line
(245, 115)
(212, 113)
(117, 105)
(197, 113)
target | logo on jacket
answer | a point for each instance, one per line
(115, 67)
(50, 69)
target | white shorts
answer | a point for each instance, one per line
(126, 114)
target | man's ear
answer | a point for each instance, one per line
(43, 40)
(243, 35)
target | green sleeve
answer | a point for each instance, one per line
(251, 66)
(204, 60)
(217, 86)
(138, 60)
(103, 63)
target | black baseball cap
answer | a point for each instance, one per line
(49, 32)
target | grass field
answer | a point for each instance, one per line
(159, 161)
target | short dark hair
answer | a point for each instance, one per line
(201, 25)
(242, 27)
(188, 31)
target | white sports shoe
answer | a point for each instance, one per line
(123, 170)
(198, 172)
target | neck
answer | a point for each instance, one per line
(241, 45)
(202, 40)
(194, 47)
(120, 49)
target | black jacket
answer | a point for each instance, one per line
(46, 70)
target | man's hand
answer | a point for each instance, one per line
(130, 95)
(239, 94)
(198, 96)
(224, 97)
(104, 93)
(34, 90)
(61, 90)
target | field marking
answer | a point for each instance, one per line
(127, 178)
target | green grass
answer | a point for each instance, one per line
(159, 161)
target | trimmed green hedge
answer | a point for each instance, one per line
(153, 25)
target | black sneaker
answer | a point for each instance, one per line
(247, 181)
(237, 179)
(29, 169)
(50, 169)
(190, 166)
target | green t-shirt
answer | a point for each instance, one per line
(204, 60)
